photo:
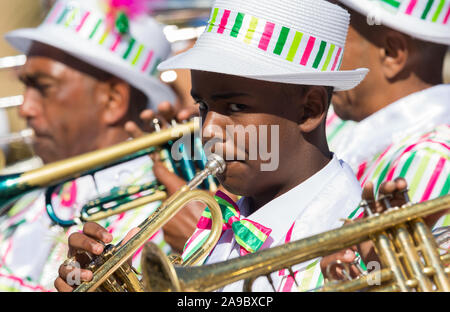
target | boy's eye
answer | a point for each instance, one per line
(237, 107)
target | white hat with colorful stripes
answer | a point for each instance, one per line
(89, 30)
(426, 20)
(289, 41)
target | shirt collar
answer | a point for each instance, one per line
(280, 213)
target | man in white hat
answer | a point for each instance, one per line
(396, 123)
(87, 74)
(403, 130)
(262, 65)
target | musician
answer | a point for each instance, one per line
(88, 73)
(267, 65)
(403, 130)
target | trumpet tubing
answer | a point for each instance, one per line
(160, 275)
(106, 266)
(14, 186)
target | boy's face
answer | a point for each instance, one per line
(233, 107)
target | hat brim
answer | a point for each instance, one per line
(155, 90)
(227, 57)
(414, 27)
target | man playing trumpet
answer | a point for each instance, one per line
(267, 66)
(89, 74)
(402, 131)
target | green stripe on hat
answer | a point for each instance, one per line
(427, 9)
(392, 2)
(130, 47)
(237, 25)
(281, 40)
(154, 70)
(63, 15)
(319, 56)
(95, 28)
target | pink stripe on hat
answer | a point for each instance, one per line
(148, 60)
(309, 48)
(411, 7)
(337, 59)
(83, 20)
(267, 35)
(224, 21)
(447, 16)
(55, 12)
(116, 42)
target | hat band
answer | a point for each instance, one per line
(286, 43)
(93, 27)
(435, 11)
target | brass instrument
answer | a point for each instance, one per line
(14, 186)
(405, 245)
(113, 273)
(125, 198)
(26, 135)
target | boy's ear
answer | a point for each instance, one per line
(314, 108)
(116, 101)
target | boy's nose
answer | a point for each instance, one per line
(214, 126)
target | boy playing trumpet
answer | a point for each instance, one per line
(267, 70)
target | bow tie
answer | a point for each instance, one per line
(249, 235)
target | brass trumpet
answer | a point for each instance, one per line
(12, 187)
(113, 273)
(405, 245)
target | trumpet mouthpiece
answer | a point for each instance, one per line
(216, 164)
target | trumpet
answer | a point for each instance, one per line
(112, 273)
(14, 186)
(25, 135)
(405, 245)
(125, 198)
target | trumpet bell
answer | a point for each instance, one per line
(422, 268)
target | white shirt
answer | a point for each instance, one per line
(32, 251)
(319, 204)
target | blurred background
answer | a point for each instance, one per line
(185, 20)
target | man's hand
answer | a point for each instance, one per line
(165, 114)
(83, 247)
(393, 192)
